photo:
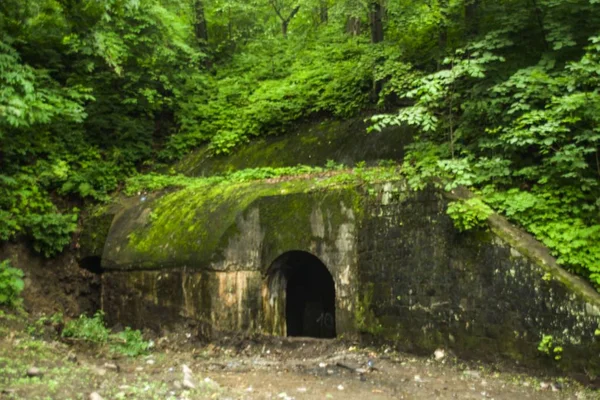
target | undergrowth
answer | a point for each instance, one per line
(93, 330)
(11, 284)
(330, 174)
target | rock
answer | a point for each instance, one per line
(95, 396)
(472, 374)
(209, 381)
(340, 387)
(188, 378)
(556, 386)
(112, 366)
(188, 384)
(34, 372)
(544, 385)
(322, 365)
(139, 369)
(417, 378)
(186, 370)
(301, 389)
(150, 362)
(439, 354)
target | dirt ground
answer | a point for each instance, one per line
(181, 367)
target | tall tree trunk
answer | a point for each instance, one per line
(200, 26)
(323, 11)
(285, 21)
(540, 20)
(443, 34)
(284, 27)
(472, 17)
(376, 20)
(353, 26)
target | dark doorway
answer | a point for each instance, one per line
(92, 264)
(310, 295)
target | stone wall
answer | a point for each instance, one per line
(428, 285)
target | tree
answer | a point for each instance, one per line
(376, 12)
(200, 26)
(285, 12)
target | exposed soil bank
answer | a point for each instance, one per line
(54, 285)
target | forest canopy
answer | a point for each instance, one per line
(503, 96)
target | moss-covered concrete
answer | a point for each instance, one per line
(485, 294)
(230, 228)
(311, 143)
(402, 272)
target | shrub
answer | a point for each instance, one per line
(86, 328)
(11, 284)
(128, 342)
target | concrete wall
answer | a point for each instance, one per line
(233, 288)
(428, 285)
(401, 271)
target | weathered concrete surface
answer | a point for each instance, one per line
(208, 259)
(312, 143)
(479, 293)
(401, 270)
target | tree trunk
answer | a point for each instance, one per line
(200, 26)
(284, 27)
(376, 20)
(540, 20)
(443, 34)
(285, 21)
(323, 11)
(353, 26)
(472, 17)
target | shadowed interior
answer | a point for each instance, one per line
(309, 294)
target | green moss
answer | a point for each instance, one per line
(365, 319)
(311, 143)
(97, 225)
(192, 221)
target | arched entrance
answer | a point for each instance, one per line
(309, 294)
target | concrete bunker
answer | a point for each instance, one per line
(304, 285)
(400, 270)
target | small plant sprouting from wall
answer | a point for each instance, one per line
(469, 214)
(547, 347)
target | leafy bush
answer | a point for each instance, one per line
(333, 75)
(11, 284)
(86, 328)
(469, 214)
(128, 342)
(522, 130)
